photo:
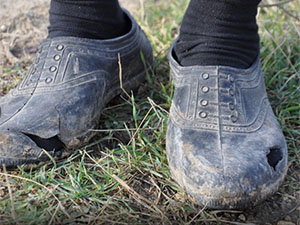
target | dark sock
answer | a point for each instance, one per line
(97, 19)
(219, 32)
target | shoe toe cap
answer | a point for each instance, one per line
(236, 173)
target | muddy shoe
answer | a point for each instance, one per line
(224, 145)
(63, 94)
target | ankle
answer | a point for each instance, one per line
(220, 32)
(98, 19)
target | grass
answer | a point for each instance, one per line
(122, 176)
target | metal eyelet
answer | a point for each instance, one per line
(205, 76)
(48, 80)
(231, 106)
(204, 102)
(233, 118)
(60, 47)
(205, 89)
(53, 69)
(231, 92)
(56, 57)
(203, 114)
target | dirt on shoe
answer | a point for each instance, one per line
(23, 25)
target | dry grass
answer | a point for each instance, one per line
(122, 176)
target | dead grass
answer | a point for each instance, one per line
(122, 176)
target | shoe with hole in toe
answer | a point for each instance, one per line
(224, 145)
(61, 98)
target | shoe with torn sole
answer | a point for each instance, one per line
(224, 145)
(60, 99)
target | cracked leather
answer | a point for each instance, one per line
(65, 91)
(221, 129)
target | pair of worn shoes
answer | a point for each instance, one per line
(224, 145)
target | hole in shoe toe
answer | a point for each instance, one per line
(274, 157)
(49, 144)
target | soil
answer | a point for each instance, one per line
(23, 24)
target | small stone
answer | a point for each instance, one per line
(31, 50)
(32, 201)
(3, 28)
(287, 218)
(242, 217)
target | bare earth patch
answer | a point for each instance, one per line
(23, 25)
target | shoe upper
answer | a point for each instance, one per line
(68, 84)
(227, 149)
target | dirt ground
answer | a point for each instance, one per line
(23, 24)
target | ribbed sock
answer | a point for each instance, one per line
(96, 19)
(219, 32)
